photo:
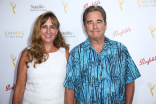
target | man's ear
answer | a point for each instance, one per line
(105, 25)
(84, 27)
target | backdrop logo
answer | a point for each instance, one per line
(13, 6)
(14, 34)
(116, 33)
(64, 5)
(68, 34)
(37, 8)
(13, 59)
(86, 5)
(8, 87)
(152, 30)
(143, 61)
(149, 84)
(120, 3)
(146, 3)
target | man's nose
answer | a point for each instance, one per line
(94, 25)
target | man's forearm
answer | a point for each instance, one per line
(69, 97)
(129, 92)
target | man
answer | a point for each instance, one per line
(99, 70)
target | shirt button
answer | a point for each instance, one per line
(100, 74)
(101, 89)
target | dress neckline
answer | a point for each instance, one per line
(55, 51)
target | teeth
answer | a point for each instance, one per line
(47, 36)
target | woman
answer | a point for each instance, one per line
(42, 67)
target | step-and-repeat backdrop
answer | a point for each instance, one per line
(131, 22)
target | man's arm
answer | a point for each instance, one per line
(129, 92)
(69, 96)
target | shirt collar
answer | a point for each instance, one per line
(107, 43)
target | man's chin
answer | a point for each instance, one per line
(95, 38)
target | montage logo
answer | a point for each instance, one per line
(120, 3)
(67, 34)
(8, 87)
(146, 3)
(13, 7)
(149, 84)
(152, 30)
(13, 59)
(13, 34)
(86, 5)
(65, 4)
(143, 61)
(37, 8)
(116, 33)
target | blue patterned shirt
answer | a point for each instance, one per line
(100, 79)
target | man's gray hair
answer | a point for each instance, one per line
(91, 9)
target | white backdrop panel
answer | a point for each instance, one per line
(131, 22)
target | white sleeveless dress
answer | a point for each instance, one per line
(45, 82)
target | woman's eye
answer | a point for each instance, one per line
(44, 26)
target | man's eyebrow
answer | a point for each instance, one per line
(89, 21)
(99, 20)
